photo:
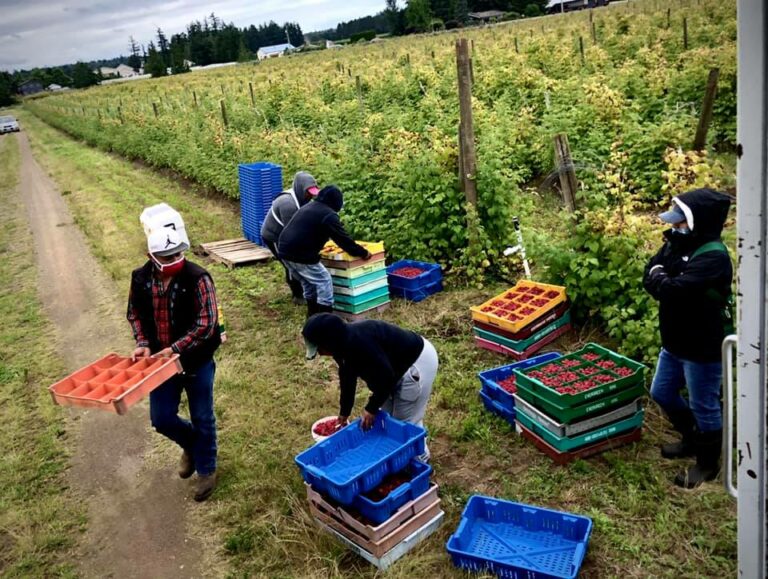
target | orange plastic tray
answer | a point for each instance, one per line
(333, 252)
(520, 305)
(114, 383)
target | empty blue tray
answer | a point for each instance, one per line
(518, 541)
(353, 461)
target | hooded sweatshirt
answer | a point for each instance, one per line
(312, 226)
(690, 318)
(286, 205)
(378, 352)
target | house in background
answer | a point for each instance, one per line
(273, 51)
(556, 6)
(487, 16)
(31, 86)
(108, 72)
(125, 71)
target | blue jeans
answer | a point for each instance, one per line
(197, 437)
(702, 380)
(315, 280)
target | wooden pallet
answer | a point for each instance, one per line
(234, 252)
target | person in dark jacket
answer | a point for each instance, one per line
(398, 366)
(172, 309)
(283, 208)
(302, 239)
(691, 277)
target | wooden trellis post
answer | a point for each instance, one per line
(467, 132)
(566, 171)
(685, 33)
(224, 113)
(706, 110)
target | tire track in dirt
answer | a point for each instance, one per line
(137, 513)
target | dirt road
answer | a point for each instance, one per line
(137, 512)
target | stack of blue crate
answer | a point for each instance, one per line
(260, 183)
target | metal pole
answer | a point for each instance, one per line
(751, 212)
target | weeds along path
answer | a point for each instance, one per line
(136, 515)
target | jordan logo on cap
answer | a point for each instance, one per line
(168, 242)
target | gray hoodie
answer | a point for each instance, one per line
(285, 205)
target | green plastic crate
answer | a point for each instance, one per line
(567, 400)
(568, 414)
(354, 282)
(520, 345)
(566, 443)
(362, 298)
(359, 271)
(361, 307)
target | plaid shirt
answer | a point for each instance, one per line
(203, 328)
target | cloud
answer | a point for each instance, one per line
(54, 32)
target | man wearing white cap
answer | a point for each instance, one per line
(691, 277)
(172, 310)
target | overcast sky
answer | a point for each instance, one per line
(54, 32)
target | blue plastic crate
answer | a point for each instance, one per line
(489, 378)
(432, 273)
(495, 408)
(380, 511)
(418, 294)
(519, 541)
(354, 461)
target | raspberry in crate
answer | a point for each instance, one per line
(569, 363)
(607, 364)
(536, 291)
(603, 378)
(408, 271)
(624, 372)
(527, 311)
(390, 483)
(549, 369)
(589, 370)
(539, 302)
(590, 357)
(498, 303)
(583, 385)
(551, 295)
(508, 384)
(525, 299)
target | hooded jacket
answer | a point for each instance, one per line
(285, 206)
(690, 318)
(311, 228)
(378, 352)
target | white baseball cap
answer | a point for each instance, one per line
(165, 241)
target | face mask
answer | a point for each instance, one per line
(169, 268)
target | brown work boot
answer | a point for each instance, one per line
(205, 485)
(186, 465)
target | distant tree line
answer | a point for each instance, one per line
(211, 41)
(399, 18)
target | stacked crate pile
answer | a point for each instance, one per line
(580, 404)
(414, 280)
(260, 183)
(522, 320)
(360, 286)
(369, 490)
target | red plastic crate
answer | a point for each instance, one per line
(494, 347)
(114, 383)
(561, 458)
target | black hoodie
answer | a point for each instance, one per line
(311, 227)
(378, 352)
(689, 318)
